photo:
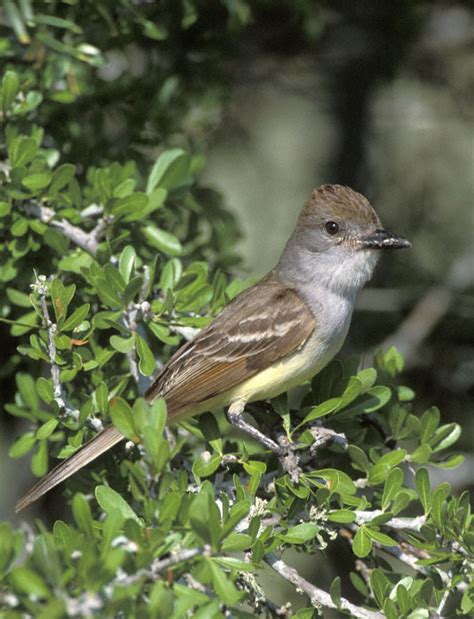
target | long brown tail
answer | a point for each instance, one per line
(109, 437)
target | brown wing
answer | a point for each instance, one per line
(260, 326)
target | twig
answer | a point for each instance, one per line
(159, 566)
(413, 524)
(317, 596)
(51, 327)
(88, 241)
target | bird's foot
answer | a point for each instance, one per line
(284, 449)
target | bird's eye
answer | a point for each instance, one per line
(332, 227)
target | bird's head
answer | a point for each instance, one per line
(339, 236)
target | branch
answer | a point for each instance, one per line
(58, 393)
(317, 596)
(158, 565)
(88, 241)
(413, 524)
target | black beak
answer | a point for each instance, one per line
(381, 239)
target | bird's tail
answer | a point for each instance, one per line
(90, 451)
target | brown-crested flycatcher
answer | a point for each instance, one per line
(274, 335)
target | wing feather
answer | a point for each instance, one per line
(260, 326)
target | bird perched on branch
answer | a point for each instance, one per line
(274, 335)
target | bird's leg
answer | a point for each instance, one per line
(235, 415)
(283, 449)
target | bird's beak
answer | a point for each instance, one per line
(381, 239)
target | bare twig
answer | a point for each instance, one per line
(158, 566)
(412, 524)
(88, 241)
(317, 596)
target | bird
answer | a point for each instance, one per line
(274, 335)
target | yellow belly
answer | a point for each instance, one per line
(288, 372)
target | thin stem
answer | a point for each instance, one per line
(317, 596)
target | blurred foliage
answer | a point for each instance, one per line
(111, 251)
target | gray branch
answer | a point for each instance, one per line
(88, 241)
(412, 524)
(317, 596)
(51, 327)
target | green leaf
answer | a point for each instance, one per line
(10, 88)
(61, 296)
(45, 431)
(342, 516)
(450, 463)
(445, 436)
(122, 344)
(157, 416)
(351, 392)
(236, 513)
(110, 501)
(300, 533)
(25, 580)
(335, 591)
(125, 188)
(359, 457)
(37, 182)
(422, 483)
(380, 586)
(421, 455)
(75, 319)
(147, 363)
(361, 544)
(204, 515)
(162, 240)
(18, 298)
(401, 501)
(204, 467)
(236, 542)
(122, 418)
(170, 170)
(384, 464)
(27, 388)
(55, 240)
(5, 208)
(131, 207)
(379, 537)
(102, 397)
(132, 289)
(22, 445)
(61, 177)
(22, 151)
(428, 424)
(39, 461)
(127, 262)
(82, 514)
(223, 586)
(374, 399)
(322, 409)
(57, 22)
(392, 487)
